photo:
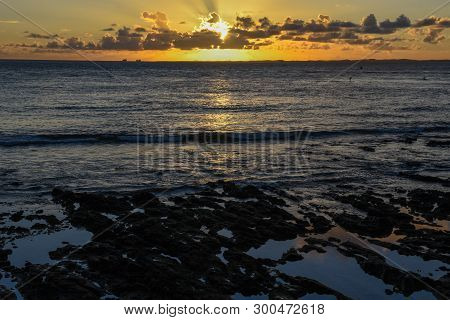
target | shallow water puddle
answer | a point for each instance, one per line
(413, 263)
(221, 257)
(225, 233)
(7, 281)
(272, 249)
(344, 275)
(35, 249)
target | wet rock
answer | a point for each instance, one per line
(367, 149)
(438, 143)
(92, 201)
(16, 217)
(144, 199)
(91, 221)
(248, 192)
(4, 257)
(430, 203)
(6, 294)
(57, 284)
(321, 224)
(370, 226)
(39, 226)
(292, 255)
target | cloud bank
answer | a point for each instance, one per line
(247, 32)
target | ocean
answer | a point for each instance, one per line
(312, 128)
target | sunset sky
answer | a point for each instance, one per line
(192, 30)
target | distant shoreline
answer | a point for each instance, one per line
(252, 61)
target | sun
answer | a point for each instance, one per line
(214, 23)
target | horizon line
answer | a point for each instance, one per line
(223, 61)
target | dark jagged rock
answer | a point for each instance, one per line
(6, 294)
(370, 226)
(16, 217)
(57, 283)
(292, 255)
(367, 149)
(321, 224)
(144, 199)
(91, 201)
(430, 203)
(438, 143)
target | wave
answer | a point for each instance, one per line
(203, 136)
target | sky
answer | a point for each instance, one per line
(212, 30)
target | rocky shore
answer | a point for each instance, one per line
(207, 244)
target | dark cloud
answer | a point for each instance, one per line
(162, 40)
(369, 24)
(203, 39)
(235, 41)
(41, 36)
(213, 18)
(245, 23)
(433, 21)
(434, 36)
(247, 28)
(124, 40)
(401, 22)
(140, 29)
(108, 29)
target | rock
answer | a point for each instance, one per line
(292, 255)
(367, 149)
(16, 217)
(6, 294)
(438, 143)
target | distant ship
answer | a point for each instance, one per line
(124, 60)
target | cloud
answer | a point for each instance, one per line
(245, 23)
(158, 18)
(247, 28)
(434, 36)
(315, 46)
(162, 40)
(41, 36)
(203, 39)
(73, 43)
(433, 21)
(234, 41)
(213, 18)
(401, 22)
(140, 29)
(124, 40)
(369, 24)
(248, 32)
(9, 21)
(383, 45)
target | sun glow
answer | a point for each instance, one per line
(214, 23)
